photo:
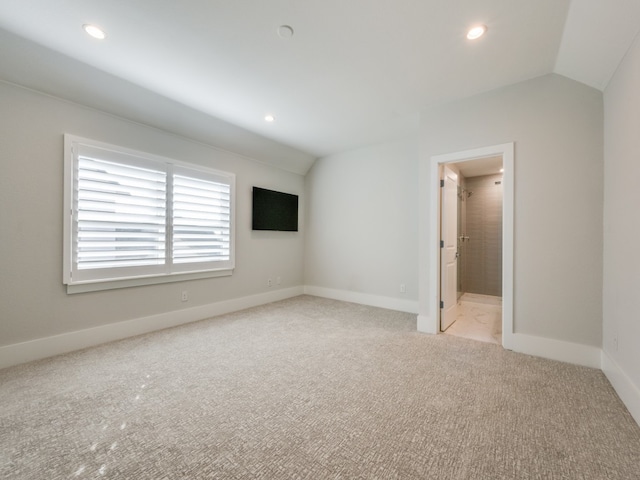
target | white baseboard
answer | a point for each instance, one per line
(69, 342)
(552, 349)
(390, 303)
(628, 392)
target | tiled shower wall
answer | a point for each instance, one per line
(482, 271)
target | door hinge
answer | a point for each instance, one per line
(441, 243)
(441, 183)
(441, 304)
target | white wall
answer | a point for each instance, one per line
(33, 300)
(621, 298)
(362, 229)
(557, 126)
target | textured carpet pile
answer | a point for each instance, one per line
(310, 388)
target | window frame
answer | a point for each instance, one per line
(91, 279)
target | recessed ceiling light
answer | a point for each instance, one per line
(269, 118)
(476, 32)
(95, 32)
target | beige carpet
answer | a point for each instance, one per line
(310, 388)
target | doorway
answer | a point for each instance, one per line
(430, 281)
(471, 249)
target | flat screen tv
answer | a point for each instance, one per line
(274, 210)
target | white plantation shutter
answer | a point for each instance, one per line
(133, 215)
(201, 218)
(121, 215)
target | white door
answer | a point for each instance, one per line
(448, 248)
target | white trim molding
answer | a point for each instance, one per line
(69, 342)
(425, 325)
(628, 392)
(552, 349)
(429, 283)
(390, 303)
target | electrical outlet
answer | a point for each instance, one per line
(269, 282)
(403, 288)
(615, 343)
(278, 280)
(185, 296)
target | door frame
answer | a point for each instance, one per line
(429, 288)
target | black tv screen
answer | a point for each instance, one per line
(274, 210)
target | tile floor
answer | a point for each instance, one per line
(479, 317)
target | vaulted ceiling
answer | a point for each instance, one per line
(353, 73)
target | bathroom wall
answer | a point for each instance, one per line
(462, 245)
(482, 252)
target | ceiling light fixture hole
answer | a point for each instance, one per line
(285, 31)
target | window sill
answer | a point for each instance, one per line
(141, 281)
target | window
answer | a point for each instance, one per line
(134, 218)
